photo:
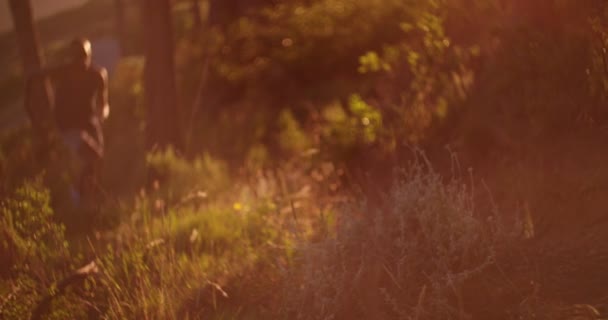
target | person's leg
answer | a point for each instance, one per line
(89, 180)
(73, 144)
(92, 153)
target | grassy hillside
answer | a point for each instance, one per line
(346, 159)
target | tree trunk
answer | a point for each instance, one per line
(37, 95)
(162, 111)
(119, 11)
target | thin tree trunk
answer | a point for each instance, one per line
(162, 111)
(37, 95)
(27, 36)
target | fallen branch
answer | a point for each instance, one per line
(77, 277)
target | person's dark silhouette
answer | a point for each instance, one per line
(80, 107)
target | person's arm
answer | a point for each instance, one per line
(103, 106)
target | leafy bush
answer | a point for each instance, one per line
(311, 51)
(28, 218)
(175, 177)
(34, 253)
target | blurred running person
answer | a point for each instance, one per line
(80, 107)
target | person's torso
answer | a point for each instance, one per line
(75, 97)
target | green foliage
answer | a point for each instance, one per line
(34, 253)
(310, 51)
(201, 257)
(27, 220)
(291, 137)
(176, 176)
(166, 262)
(409, 74)
(436, 73)
(367, 119)
(358, 124)
(371, 62)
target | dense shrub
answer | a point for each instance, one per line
(34, 254)
(174, 177)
